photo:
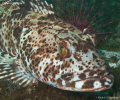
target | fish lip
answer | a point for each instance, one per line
(104, 77)
(104, 81)
(98, 77)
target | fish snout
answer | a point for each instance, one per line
(95, 83)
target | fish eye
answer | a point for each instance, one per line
(63, 51)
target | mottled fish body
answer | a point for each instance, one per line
(35, 45)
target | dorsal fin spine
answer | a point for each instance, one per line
(46, 3)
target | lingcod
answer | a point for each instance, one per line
(35, 45)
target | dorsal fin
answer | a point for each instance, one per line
(32, 5)
(42, 7)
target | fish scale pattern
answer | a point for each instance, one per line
(45, 48)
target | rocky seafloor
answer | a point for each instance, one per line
(10, 91)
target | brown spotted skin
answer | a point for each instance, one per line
(34, 39)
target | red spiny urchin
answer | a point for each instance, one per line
(84, 23)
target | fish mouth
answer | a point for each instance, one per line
(97, 83)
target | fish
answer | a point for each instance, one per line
(36, 46)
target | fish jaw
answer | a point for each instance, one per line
(87, 85)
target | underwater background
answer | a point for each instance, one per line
(108, 45)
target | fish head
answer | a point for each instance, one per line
(82, 68)
(69, 61)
